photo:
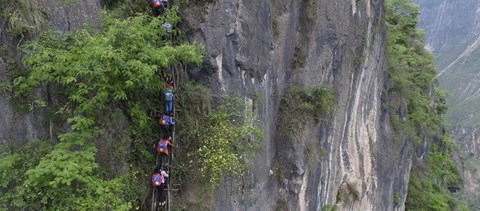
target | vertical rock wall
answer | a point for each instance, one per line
(251, 45)
(16, 125)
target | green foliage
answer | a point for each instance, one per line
(13, 164)
(115, 67)
(275, 27)
(26, 186)
(323, 153)
(442, 167)
(396, 199)
(313, 156)
(299, 59)
(22, 17)
(225, 141)
(281, 205)
(215, 143)
(329, 207)
(126, 8)
(412, 73)
(311, 10)
(424, 194)
(299, 105)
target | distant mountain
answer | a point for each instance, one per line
(452, 30)
(452, 33)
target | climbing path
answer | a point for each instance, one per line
(169, 186)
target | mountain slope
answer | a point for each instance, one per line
(451, 32)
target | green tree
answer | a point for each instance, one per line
(116, 66)
(412, 72)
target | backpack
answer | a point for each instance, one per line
(165, 120)
(157, 179)
(162, 146)
(156, 3)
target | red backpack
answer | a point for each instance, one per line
(156, 3)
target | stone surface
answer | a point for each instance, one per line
(251, 45)
(18, 126)
(69, 15)
(250, 48)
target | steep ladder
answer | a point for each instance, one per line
(170, 186)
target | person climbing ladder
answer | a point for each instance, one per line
(167, 76)
(158, 181)
(168, 93)
(166, 122)
(162, 148)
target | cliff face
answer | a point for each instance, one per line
(20, 125)
(257, 49)
(251, 47)
(468, 138)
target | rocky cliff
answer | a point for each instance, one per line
(18, 125)
(260, 48)
(252, 46)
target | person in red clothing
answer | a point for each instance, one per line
(162, 149)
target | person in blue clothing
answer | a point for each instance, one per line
(167, 26)
(168, 93)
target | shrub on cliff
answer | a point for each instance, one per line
(299, 105)
(114, 67)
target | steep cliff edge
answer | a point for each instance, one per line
(254, 47)
(451, 32)
(349, 158)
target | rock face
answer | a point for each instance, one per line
(19, 125)
(468, 138)
(263, 47)
(69, 15)
(257, 49)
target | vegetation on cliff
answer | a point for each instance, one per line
(411, 72)
(299, 105)
(98, 76)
